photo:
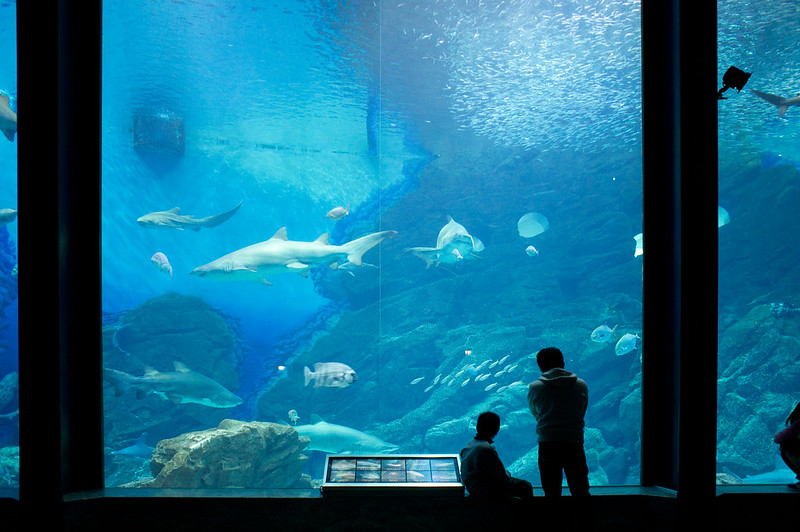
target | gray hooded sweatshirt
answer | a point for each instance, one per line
(558, 401)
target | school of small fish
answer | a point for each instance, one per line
(469, 374)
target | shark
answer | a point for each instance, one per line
(453, 244)
(778, 101)
(281, 255)
(181, 386)
(338, 439)
(173, 219)
(8, 118)
(139, 449)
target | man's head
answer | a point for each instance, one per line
(488, 425)
(549, 358)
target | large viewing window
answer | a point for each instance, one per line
(759, 190)
(445, 189)
(9, 345)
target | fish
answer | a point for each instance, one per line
(429, 388)
(173, 219)
(603, 333)
(293, 417)
(503, 359)
(639, 250)
(417, 380)
(511, 367)
(181, 386)
(723, 218)
(281, 255)
(7, 216)
(489, 388)
(339, 439)
(8, 118)
(161, 262)
(499, 373)
(8, 389)
(330, 375)
(453, 244)
(532, 224)
(629, 342)
(337, 213)
(778, 101)
(139, 449)
(465, 382)
(531, 251)
(436, 379)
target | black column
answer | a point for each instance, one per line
(59, 253)
(680, 283)
(79, 106)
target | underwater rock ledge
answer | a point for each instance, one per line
(236, 454)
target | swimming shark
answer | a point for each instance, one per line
(8, 118)
(338, 439)
(180, 386)
(453, 244)
(778, 101)
(281, 255)
(173, 219)
(139, 449)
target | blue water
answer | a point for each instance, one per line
(406, 112)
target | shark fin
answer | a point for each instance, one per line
(9, 133)
(264, 281)
(322, 239)
(149, 371)
(175, 210)
(334, 265)
(316, 419)
(280, 234)
(181, 367)
(782, 110)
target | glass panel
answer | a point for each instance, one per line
(759, 186)
(9, 345)
(474, 170)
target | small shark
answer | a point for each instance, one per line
(453, 244)
(778, 101)
(281, 255)
(180, 386)
(338, 439)
(139, 449)
(175, 220)
(8, 118)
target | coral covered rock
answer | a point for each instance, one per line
(236, 454)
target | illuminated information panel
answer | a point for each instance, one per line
(415, 474)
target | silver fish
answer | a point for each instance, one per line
(330, 375)
(629, 342)
(603, 333)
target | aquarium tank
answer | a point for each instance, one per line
(348, 227)
(9, 344)
(759, 190)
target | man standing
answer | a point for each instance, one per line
(481, 468)
(558, 401)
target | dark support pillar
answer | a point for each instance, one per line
(661, 342)
(59, 253)
(680, 283)
(39, 361)
(698, 234)
(79, 105)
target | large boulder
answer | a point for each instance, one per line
(236, 454)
